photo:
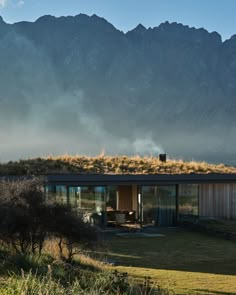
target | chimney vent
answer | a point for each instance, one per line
(162, 157)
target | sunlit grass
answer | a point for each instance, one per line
(109, 165)
(185, 262)
(45, 275)
(182, 261)
(184, 282)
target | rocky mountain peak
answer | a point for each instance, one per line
(139, 29)
(46, 19)
(1, 20)
(169, 84)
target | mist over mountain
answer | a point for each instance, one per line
(79, 85)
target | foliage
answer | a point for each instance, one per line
(107, 164)
(29, 284)
(27, 219)
(23, 214)
(70, 231)
(48, 277)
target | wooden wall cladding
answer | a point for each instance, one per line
(217, 200)
(125, 197)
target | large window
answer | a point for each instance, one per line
(159, 205)
(74, 197)
(149, 204)
(100, 200)
(57, 193)
(87, 198)
(111, 198)
(167, 205)
(88, 201)
(188, 199)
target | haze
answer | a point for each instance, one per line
(53, 103)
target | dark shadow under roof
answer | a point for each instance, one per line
(151, 179)
(128, 179)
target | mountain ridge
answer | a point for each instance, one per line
(94, 16)
(168, 88)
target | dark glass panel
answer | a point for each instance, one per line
(74, 197)
(56, 193)
(149, 204)
(188, 199)
(87, 199)
(159, 205)
(166, 199)
(111, 198)
(61, 194)
(99, 195)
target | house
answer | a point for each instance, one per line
(158, 199)
(147, 190)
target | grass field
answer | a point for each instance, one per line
(181, 261)
(184, 261)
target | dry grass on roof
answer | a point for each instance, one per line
(109, 165)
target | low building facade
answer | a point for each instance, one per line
(157, 199)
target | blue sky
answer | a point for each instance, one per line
(214, 15)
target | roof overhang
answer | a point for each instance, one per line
(141, 179)
(128, 179)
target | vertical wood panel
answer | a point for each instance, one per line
(125, 197)
(217, 200)
(233, 202)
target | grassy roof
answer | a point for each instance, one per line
(109, 165)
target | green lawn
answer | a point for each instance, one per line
(185, 262)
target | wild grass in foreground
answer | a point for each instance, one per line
(42, 275)
(30, 284)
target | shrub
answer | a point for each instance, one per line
(27, 219)
(22, 210)
(70, 230)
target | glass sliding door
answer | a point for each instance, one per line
(166, 200)
(149, 205)
(112, 198)
(159, 205)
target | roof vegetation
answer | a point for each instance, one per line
(109, 165)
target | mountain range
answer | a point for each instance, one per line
(77, 84)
